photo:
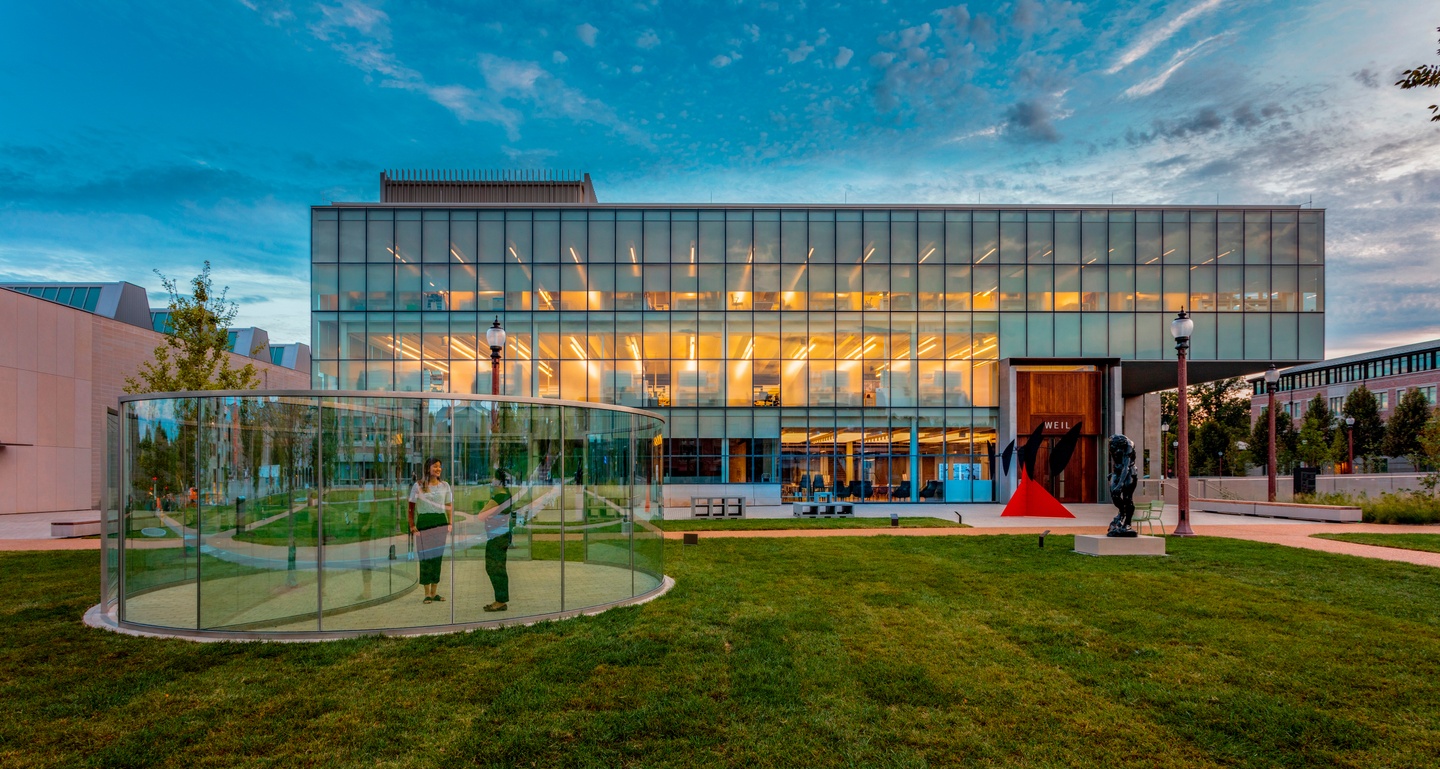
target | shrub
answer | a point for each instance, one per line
(1405, 506)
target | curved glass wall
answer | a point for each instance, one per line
(264, 513)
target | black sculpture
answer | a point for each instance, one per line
(1122, 485)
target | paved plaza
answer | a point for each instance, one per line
(32, 531)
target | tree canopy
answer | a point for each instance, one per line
(195, 352)
(1369, 429)
(1423, 76)
(1402, 434)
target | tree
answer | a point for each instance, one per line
(1285, 439)
(1430, 451)
(1369, 429)
(1402, 433)
(1423, 76)
(195, 352)
(1317, 434)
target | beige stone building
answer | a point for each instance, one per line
(64, 357)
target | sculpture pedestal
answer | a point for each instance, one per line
(1099, 544)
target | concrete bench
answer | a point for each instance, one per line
(89, 527)
(1325, 513)
(717, 507)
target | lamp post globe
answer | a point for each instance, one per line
(1182, 328)
(495, 338)
(1272, 380)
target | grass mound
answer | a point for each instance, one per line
(1429, 543)
(834, 652)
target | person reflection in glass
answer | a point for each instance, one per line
(499, 523)
(431, 506)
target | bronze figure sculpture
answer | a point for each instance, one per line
(1122, 485)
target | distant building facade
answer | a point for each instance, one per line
(65, 350)
(1388, 373)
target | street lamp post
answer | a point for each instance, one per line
(1164, 453)
(1350, 443)
(495, 337)
(1182, 327)
(1272, 378)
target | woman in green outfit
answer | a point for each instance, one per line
(432, 505)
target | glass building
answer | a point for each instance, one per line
(860, 352)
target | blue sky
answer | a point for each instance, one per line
(144, 135)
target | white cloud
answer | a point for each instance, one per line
(799, 53)
(647, 40)
(843, 57)
(352, 15)
(721, 61)
(586, 33)
(1147, 87)
(1157, 36)
(559, 58)
(753, 32)
(636, 69)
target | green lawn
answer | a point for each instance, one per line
(1427, 542)
(841, 652)
(774, 524)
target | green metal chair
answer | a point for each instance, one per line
(1150, 516)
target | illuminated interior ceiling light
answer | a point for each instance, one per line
(465, 349)
(634, 348)
(692, 254)
(396, 254)
(632, 255)
(692, 347)
(456, 254)
(1153, 260)
(869, 254)
(749, 349)
(574, 345)
(545, 297)
(574, 255)
(927, 255)
(751, 258)
(1047, 253)
(926, 348)
(517, 256)
(548, 371)
(812, 253)
(1167, 253)
(986, 256)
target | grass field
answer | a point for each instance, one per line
(775, 524)
(1430, 543)
(840, 652)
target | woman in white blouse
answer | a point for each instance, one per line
(432, 505)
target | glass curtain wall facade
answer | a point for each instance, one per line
(849, 350)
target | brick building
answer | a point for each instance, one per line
(1388, 373)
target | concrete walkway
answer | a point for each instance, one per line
(32, 531)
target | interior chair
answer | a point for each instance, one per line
(902, 490)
